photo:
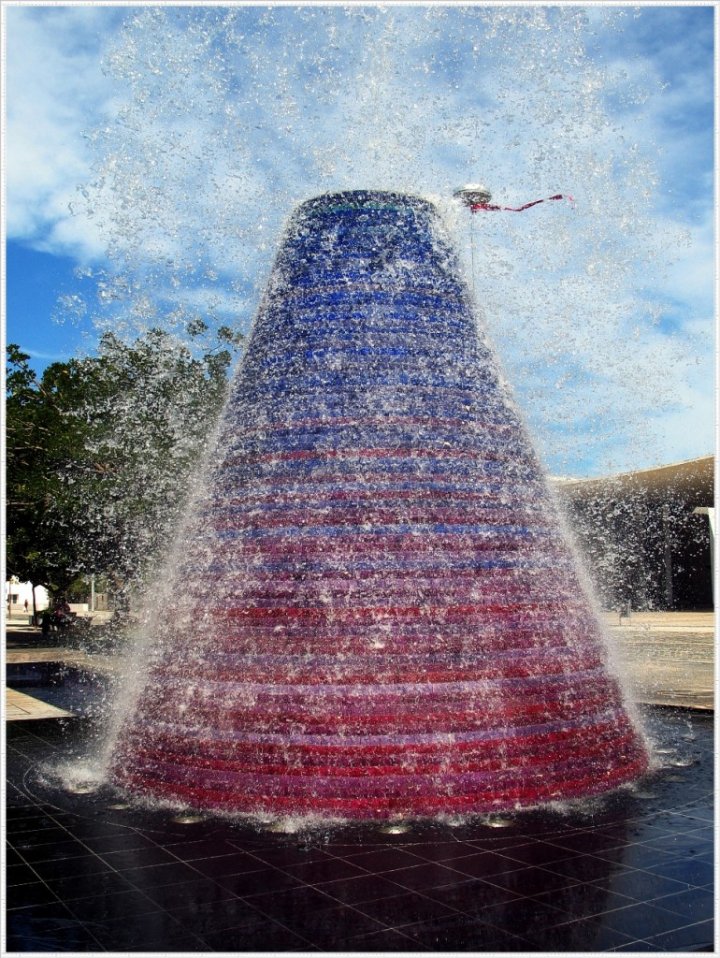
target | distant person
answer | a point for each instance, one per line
(59, 617)
(26, 605)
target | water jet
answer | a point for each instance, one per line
(397, 624)
(283, 827)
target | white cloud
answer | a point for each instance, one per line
(214, 122)
(55, 91)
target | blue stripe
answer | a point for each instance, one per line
(389, 530)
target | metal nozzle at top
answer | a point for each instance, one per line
(473, 194)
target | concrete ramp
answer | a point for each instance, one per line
(20, 707)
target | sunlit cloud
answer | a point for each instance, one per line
(49, 357)
(55, 90)
(170, 145)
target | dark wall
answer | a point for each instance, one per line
(643, 550)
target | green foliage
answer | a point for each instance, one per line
(99, 455)
(36, 434)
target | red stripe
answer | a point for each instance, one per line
(389, 452)
(369, 674)
(286, 717)
(305, 483)
(418, 496)
(488, 800)
(457, 547)
(354, 518)
(493, 583)
(314, 637)
(533, 743)
(449, 613)
(530, 764)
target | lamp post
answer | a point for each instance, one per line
(473, 195)
(667, 544)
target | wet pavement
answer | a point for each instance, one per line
(633, 872)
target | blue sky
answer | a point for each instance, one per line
(154, 153)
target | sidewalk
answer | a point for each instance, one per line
(25, 644)
(21, 620)
(21, 707)
(668, 658)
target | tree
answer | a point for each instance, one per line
(42, 446)
(100, 452)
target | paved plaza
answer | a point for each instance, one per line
(88, 871)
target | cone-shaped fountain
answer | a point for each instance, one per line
(375, 612)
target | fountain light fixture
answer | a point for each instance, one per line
(283, 826)
(395, 828)
(473, 194)
(83, 788)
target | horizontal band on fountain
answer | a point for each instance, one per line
(392, 621)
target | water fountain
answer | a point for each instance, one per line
(376, 612)
(372, 610)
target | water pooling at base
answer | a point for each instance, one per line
(199, 205)
(372, 480)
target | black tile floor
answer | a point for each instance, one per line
(632, 872)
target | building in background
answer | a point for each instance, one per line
(647, 536)
(18, 593)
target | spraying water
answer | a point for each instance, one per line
(231, 116)
(374, 612)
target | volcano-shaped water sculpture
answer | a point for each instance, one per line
(376, 612)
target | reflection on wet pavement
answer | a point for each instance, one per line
(92, 872)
